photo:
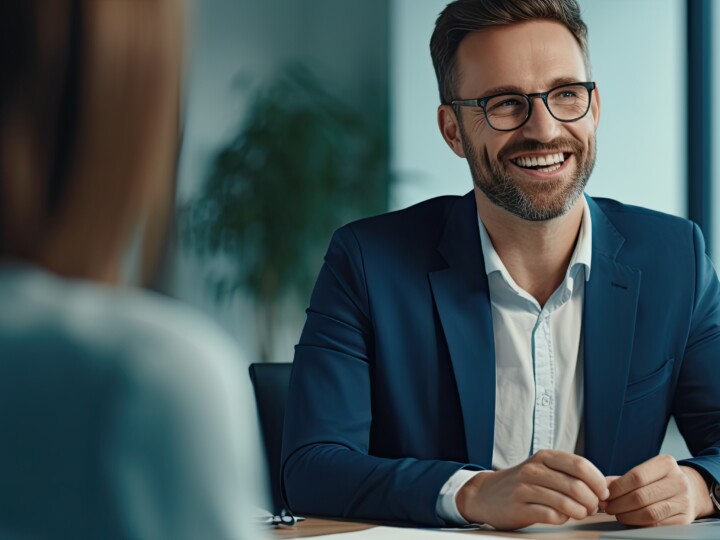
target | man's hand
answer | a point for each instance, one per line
(549, 487)
(658, 492)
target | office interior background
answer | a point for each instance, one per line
(302, 115)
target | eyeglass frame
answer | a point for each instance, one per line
(482, 103)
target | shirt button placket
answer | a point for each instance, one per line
(544, 384)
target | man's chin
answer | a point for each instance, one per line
(529, 196)
(545, 209)
(535, 206)
(538, 215)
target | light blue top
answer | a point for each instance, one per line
(123, 414)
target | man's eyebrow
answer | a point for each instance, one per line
(564, 80)
(503, 90)
(517, 90)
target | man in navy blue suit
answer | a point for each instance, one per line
(512, 356)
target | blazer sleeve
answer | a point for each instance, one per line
(697, 399)
(327, 469)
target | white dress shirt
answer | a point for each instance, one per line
(538, 362)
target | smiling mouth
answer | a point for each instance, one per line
(541, 162)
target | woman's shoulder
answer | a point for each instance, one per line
(143, 329)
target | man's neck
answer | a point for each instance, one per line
(535, 253)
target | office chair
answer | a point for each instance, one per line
(271, 383)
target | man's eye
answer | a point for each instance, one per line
(509, 105)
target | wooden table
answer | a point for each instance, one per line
(587, 529)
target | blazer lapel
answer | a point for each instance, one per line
(463, 302)
(611, 298)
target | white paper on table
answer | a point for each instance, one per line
(398, 533)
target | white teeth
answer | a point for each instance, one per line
(551, 168)
(542, 161)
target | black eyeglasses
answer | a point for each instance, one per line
(510, 110)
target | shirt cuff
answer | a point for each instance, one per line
(446, 507)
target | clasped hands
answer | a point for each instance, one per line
(553, 486)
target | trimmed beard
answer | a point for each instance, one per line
(532, 202)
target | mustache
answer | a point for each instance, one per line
(563, 143)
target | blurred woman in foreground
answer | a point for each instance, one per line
(122, 414)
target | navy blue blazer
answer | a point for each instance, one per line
(393, 384)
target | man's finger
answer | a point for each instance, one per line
(660, 512)
(540, 513)
(678, 519)
(642, 497)
(569, 486)
(642, 475)
(558, 501)
(576, 466)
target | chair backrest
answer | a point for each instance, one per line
(271, 383)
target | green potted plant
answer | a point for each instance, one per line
(303, 163)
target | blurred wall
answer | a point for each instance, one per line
(422, 163)
(343, 41)
(345, 44)
(716, 141)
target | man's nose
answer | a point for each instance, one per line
(541, 126)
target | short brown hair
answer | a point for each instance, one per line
(461, 17)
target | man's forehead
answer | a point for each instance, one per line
(529, 57)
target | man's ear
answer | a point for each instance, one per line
(450, 129)
(595, 106)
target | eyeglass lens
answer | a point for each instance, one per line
(509, 111)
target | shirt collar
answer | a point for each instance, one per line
(582, 256)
